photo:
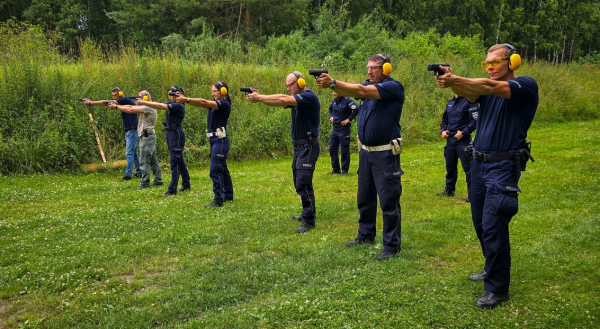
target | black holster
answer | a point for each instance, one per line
(469, 149)
(145, 133)
(519, 158)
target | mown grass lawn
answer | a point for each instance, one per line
(84, 250)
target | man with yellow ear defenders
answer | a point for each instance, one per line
(145, 129)
(130, 124)
(507, 107)
(379, 172)
(306, 118)
(174, 115)
(217, 116)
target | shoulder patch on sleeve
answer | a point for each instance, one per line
(353, 107)
(517, 83)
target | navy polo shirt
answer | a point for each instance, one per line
(342, 109)
(503, 123)
(460, 115)
(306, 116)
(130, 120)
(217, 118)
(379, 119)
(174, 114)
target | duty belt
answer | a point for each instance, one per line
(302, 141)
(491, 157)
(172, 128)
(213, 134)
(335, 125)
(129, 129)
(379, 148)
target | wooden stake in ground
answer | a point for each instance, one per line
(97, 137)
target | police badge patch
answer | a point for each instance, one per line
(353, 107)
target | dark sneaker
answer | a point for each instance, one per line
(214, 204)
(156, 184)
(446, 192)
(490, 300)
(333, 172)
(344, 172)
(141, 187)
(386, 254)
(298, 218)
(125, 178)
(184, 188)
(168, 193)
(357, 242)
(138, 175)
(303, 228)
(477, 277)
(467, 200)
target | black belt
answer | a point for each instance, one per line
(491, 157)
(340, 126)
(129, 129)
(303, 141)
(172, 128)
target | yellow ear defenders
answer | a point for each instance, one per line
(386, 68)
(222, 88)
(300, 80)
(120, 92)
(514, 61)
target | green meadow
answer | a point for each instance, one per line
(82, 250)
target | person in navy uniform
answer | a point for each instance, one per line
(379, 169)
(507, 107)
(174, 114)
(130, 123)
(458, 123)
(219, 110)
(306, 117)
(341, 111)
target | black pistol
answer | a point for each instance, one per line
(107, 102)
(317, 73)
(436, 68)
(135, 97)
(247, 90)
(82, 99)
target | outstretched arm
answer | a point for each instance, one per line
(354, 90)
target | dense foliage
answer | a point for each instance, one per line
(557, 31)
(43, 127)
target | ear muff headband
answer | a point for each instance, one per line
(301, 81)
(386, 68)
(514, 61)
(120, 92)
(222, 88)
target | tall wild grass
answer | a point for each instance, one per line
(44, 128)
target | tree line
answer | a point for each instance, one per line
(557, 31)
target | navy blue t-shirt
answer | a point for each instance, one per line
(460, 115)
(130, 120)
(503, 123)
(175, 114)
(306, 116)
(379, 119)
(342, 109)
(217, 118)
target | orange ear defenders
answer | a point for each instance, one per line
(514, 61)
(301, 81)
(222, 88)
(120, 92)
(386, 68)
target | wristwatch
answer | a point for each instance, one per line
(188, 100)
(333, 85)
